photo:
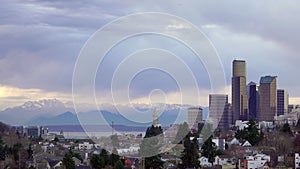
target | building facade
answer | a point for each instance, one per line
(252, 94)
(239, 93)
(267, 92)
(282, 102)
(195, 117)
(219, 111)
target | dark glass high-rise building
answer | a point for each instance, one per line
(282, 102)
(239, 93)
(252, 100)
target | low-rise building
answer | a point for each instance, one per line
(220, 143)
(297, 161)
(85, 146)
(252, 162)
(291, 119)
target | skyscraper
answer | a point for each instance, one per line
(267, 92)
(219, 111)
(252, 94)
(239, 95)
(282, 102)
(194, 117)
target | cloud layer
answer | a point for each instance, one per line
(40, 42)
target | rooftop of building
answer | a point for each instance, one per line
(238, 60)
(195, 108)
(252, 83)
(267, 79)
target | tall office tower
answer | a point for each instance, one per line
(239, 95)
(282, 102)
(252, 100)
(219, 111)
(194, 117)
(267, 92)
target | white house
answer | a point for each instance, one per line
(234, 141)
(85, 146)
(241, 124)
(130, 150)
(297, 161)
(204, 162)
(257, 161)
(220, 143)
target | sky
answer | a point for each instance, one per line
(41, 41)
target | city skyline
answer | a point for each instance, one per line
(40, 42)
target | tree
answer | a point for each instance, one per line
(209, 150)
(104, 156)
(286, 129)
(16, 150)
(3, 150)
(30, 152)
(253, 132)
(250, 133)
(77, 155)
(190, 154)
(150, 148)
(97, 162)
(296, 143)
(114, 157)
(68, 162)
(119, 165)
(56, 140)
(183, 130)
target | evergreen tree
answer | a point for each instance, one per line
(77, 155)
(30, 152)
(114, 157)
(68, 162)
(253, 132)
(250, 133)
(3, 150)
(119, 165)
(15, 150)
(150, 148)
(209, 150)
(286, 129)
(104, 156)
(97, 162)
(190, 154)
(296, 143)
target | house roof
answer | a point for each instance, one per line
(53, 163)
(252, 83)
(246, 144)
(83, 167)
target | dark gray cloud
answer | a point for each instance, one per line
(40, 40)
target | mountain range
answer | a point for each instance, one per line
(55, 112)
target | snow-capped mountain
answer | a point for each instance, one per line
(33, 109)
(46, 111)
(42, 104)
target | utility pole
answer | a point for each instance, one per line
(19, 160)
(112, 128)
